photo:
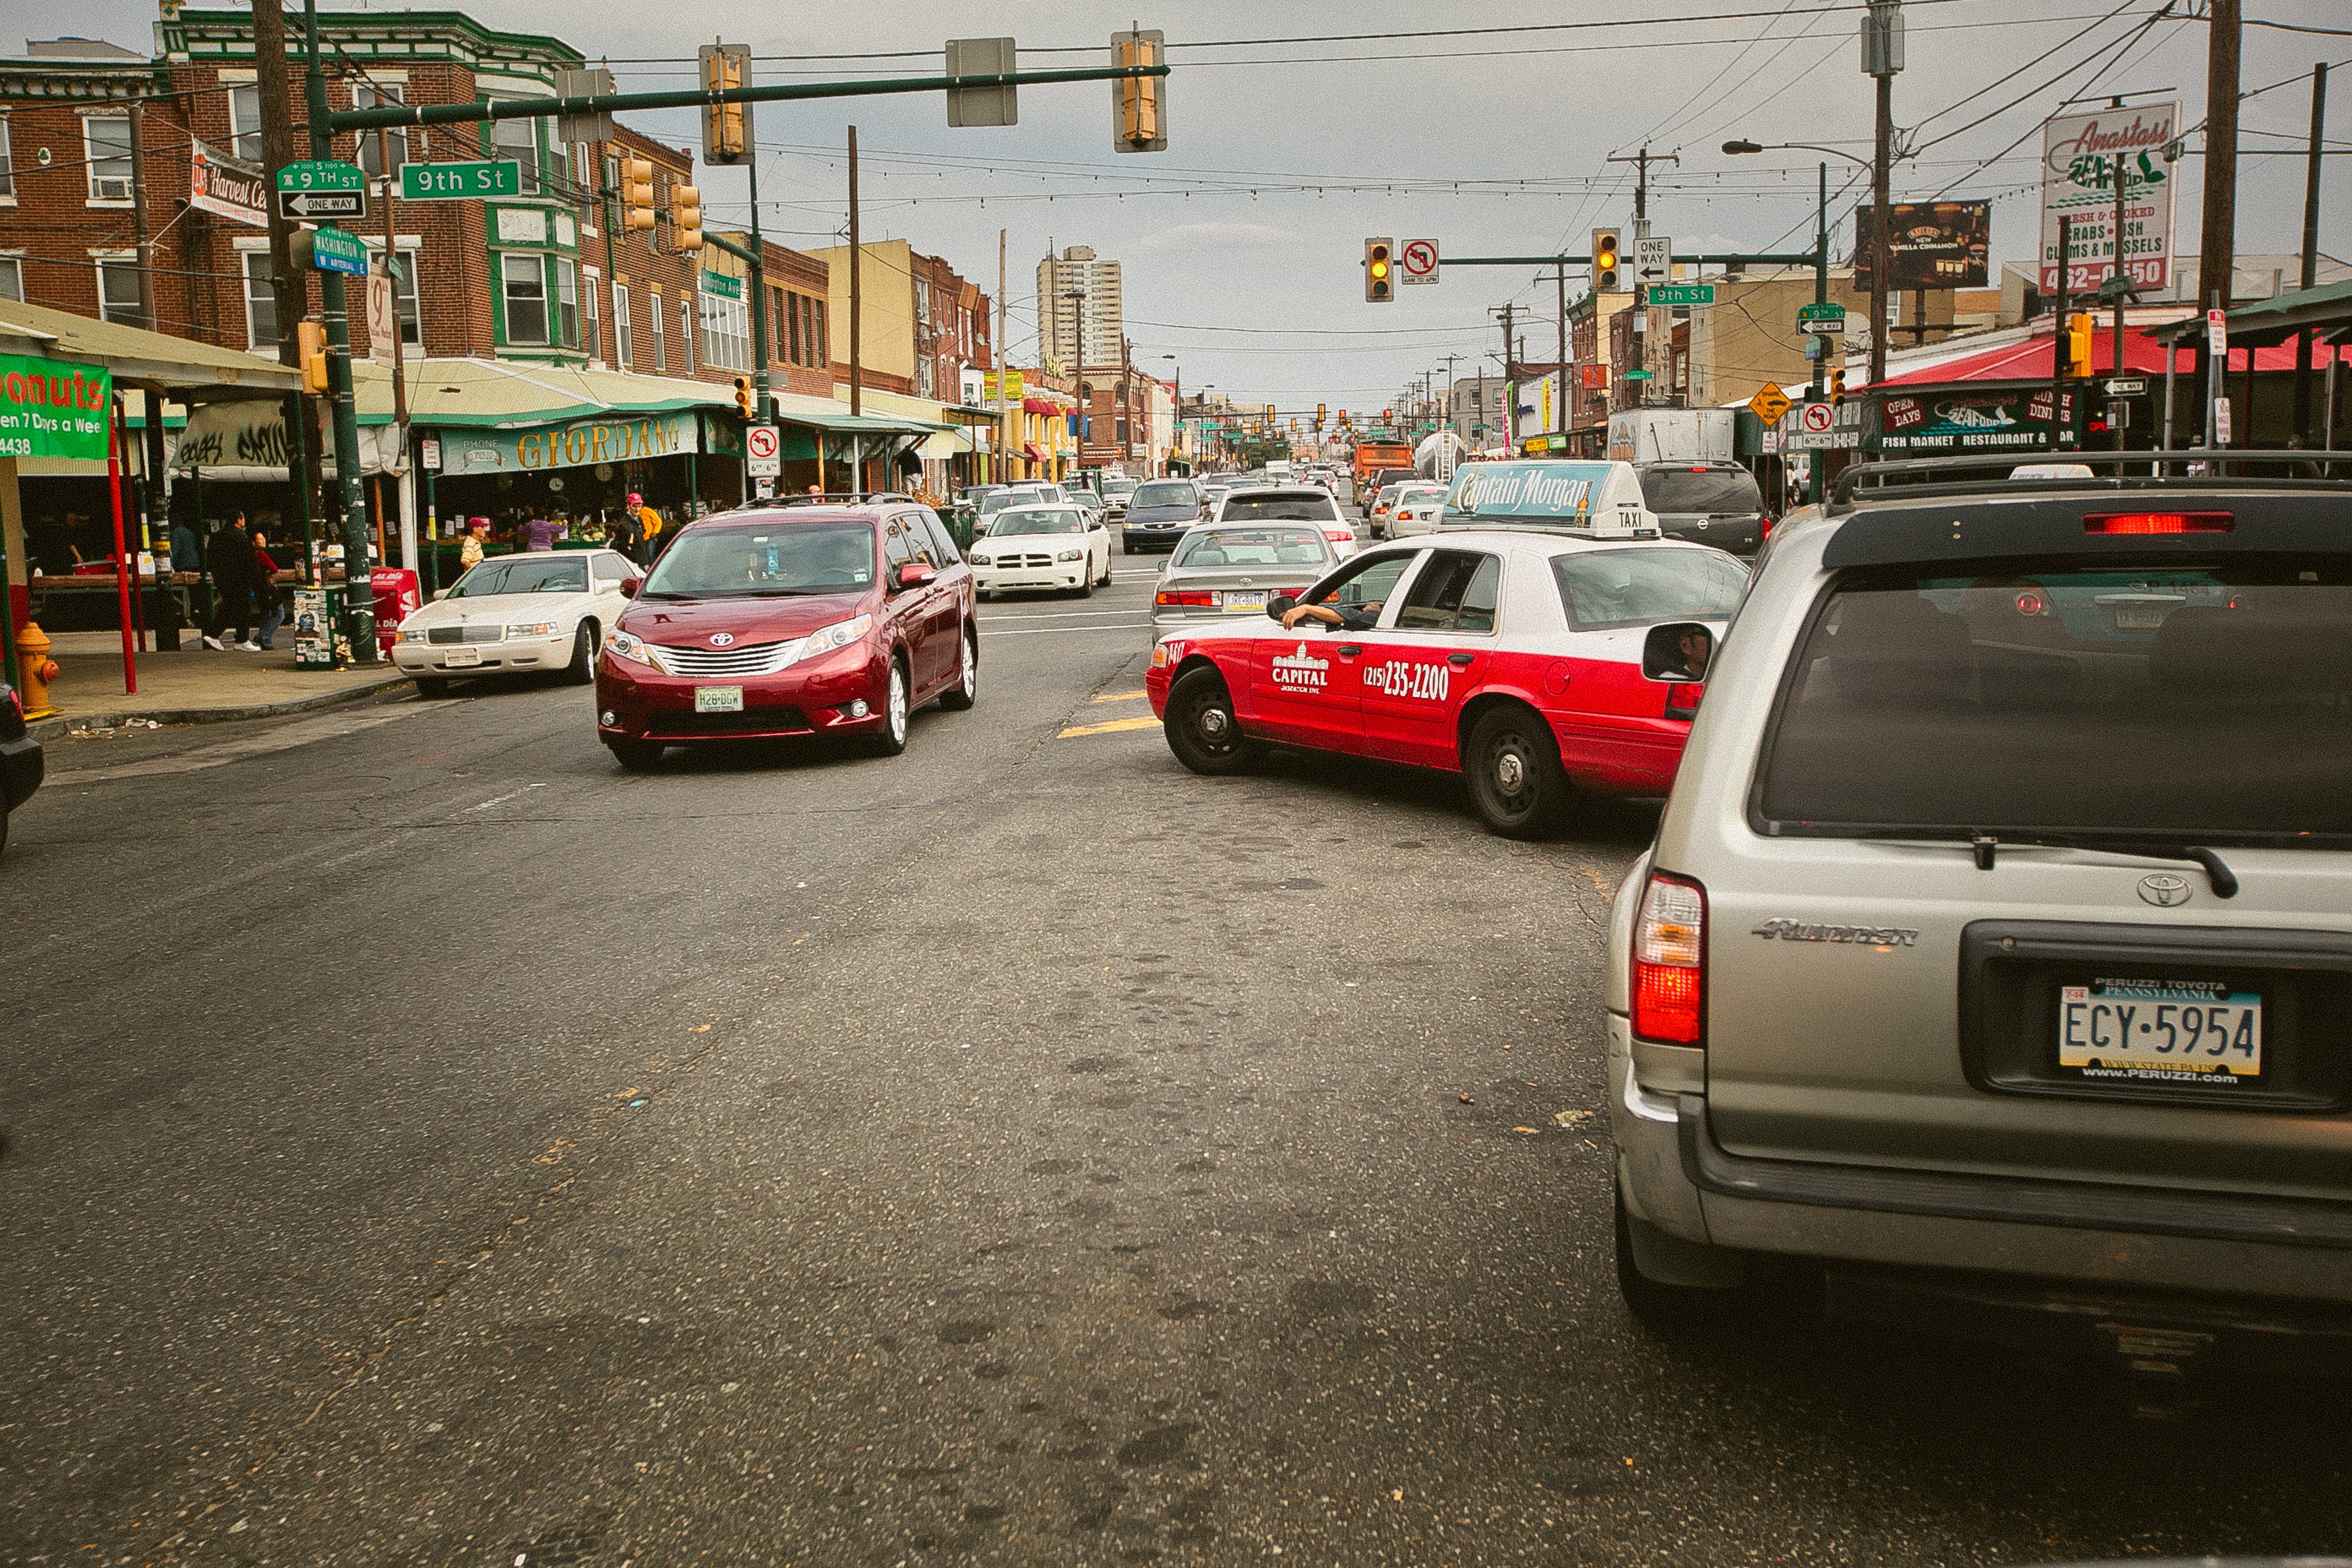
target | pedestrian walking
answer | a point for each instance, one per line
(538, 533)
(626, 533)
(649, 523)
(265, 590)
(470, 553)
(185, 557)
(231, 561)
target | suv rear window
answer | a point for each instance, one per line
(1711, 490)
(1293, 506)
(2195, 703)
(1163, 495)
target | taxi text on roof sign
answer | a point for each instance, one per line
(1604, 496)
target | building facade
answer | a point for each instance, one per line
(1081, 314)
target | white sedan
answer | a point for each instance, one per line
(517, 615)
(1059, 546)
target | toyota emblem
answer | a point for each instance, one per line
(723, 639)
(2164, 890)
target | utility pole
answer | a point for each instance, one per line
(2310, 274)
(2058, 331)
(2217, 240)
(2121, 283)
(1882, 57)
(359, 597)
(1642, 162)
(856, 302)
(399, 374)
(1559, 407)
(145, 263)
(1004, 376)
(289, 290)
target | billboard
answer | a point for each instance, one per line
(2081, 154)
(1930, 245)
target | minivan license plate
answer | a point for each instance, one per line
(718, 699)
(2159, 1032)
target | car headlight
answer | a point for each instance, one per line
(531, 629)
(627, 646)
(1070, 555)
(841, 634)
(983, 561)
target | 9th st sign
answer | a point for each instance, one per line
(319, 189)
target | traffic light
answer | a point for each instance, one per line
(1379, 286)
(636, 193)
(310, 338)
(1388, 415)
(1837, 385)
(1604, 260)
(685, 218)
(743, 395)
(1318, 416)
(2079, 330)
(726, 127)
(1140, 101)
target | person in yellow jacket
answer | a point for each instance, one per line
(650, 521)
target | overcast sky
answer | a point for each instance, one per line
(1241, 243)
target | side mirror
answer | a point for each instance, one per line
(1679, 651)
(914, 574)
(629, 586)
(1280, 605)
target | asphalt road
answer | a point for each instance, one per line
(423, 1143)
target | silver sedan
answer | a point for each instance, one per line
(1222, 570)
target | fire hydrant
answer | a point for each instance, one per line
(37, 669)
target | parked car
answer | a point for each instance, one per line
(1706, 503)
(516, 615)
(1289, 503)
(1059, 546)
(839, 620)
(1993, 958)
(1159, 512)
(1226, 569)
(21, 758)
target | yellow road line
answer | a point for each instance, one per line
(1146, 723)
(1121, 696)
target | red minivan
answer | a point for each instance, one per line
(791, 620)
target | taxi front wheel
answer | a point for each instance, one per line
(1516, 779)
(1201, 728)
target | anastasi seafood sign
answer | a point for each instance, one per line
(2081, 157)
(53, 409)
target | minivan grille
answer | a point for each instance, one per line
(752, 659)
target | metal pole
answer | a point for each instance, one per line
(2058, 330)
(1560, 404)
(2116, 356)
(432, 542)
(359, 598)
(399, 370)
(2310, 249)
(762, 405)
(126, 570)
(1814, 462)
(9, 610)
(1881, 220)
(856, 303)
(142, 261)
(1003, 471)
(2217, 244)
(2171, 366)
(2214, 369)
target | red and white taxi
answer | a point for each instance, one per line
(1538, 657)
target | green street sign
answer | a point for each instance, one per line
(1637, 375)
(460, 182)
(338, 250)
(1824, 318)
(317, 175)
(721, 285)
(1682, 293)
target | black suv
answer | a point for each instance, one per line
(20, 759)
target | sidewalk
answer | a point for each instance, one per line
(199, 687)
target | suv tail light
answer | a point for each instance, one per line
(1669, 962)
(1188, 596)
(2159, 522)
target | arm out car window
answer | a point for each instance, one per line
(1363, 585)
(2210, 702)
(1442, 589)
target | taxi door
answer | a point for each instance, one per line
(1305, 684)
(1418, 670)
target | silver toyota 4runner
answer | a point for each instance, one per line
(1995, 949)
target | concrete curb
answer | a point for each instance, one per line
(50, 729)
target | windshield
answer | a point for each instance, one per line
(1037, 521)
(1119, 486)
(523, 575)
(1253, 547)
(1603, 590)
(1707, 490)
(1411, 493)
(1163, 495)
(818, 558)
(2191, 702)
(1315, 508)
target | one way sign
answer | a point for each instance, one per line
(1653, 259)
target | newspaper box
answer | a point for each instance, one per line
(397, 597)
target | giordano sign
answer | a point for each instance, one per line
(612, 438)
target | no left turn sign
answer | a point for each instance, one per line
(1418, 261)
(1819, 416)
(761, 450)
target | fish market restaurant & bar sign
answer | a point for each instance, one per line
(612, 439)
(1960, 423)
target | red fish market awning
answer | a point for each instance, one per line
(2031, 360)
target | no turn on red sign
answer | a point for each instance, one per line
(1417, 263)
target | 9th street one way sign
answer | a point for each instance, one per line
(320, 188)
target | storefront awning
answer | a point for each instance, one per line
(454, 392)
(860, 423)
(135, 354)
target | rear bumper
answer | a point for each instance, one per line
(1675, 1176)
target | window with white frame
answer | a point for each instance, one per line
(245, 124)
(7, 163)
(518, 140)
(371, 147)
(260, 303)
(623, 354)
(117, 289)
(661, 332)
(726, 332)
(107, 140)
(592, 327)
(567, 302)
(686, 332)
(522, 278)
(12, 277)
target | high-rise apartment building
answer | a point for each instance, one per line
(1080, 319)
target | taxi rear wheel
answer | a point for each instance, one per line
(1513, 771)
(1201, 728)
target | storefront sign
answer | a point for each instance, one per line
(1929, 245)
(2079, 161)
(53, 409)
(227, 188)
(1013, 388)
(1970, 421)
(615, 438)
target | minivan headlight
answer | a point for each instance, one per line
(627, 646)
(841, 634)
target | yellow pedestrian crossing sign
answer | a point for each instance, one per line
(1769, 403)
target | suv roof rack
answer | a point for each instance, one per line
(2197, 467)
(831, 498)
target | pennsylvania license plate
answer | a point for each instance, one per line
(458, 657)
(2130, 1031)
(718, 699)
(1235, 603)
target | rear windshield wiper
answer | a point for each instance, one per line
(1985, 845)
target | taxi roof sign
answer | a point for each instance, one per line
(1602, 500)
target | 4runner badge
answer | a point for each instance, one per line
(1868, 936)
(2165, 890)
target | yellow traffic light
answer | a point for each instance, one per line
(1139, 100)
(1379, 286)
(726, 127)
(685, 218)
(2079, 330)
(310, 339)
(743, 395)
(1837, 385)
(636, 193)
(1605, 276)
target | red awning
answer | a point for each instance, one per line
(1042, 405)
(2030, 361)
(1029, 450)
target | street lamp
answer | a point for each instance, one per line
(1880, 222)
